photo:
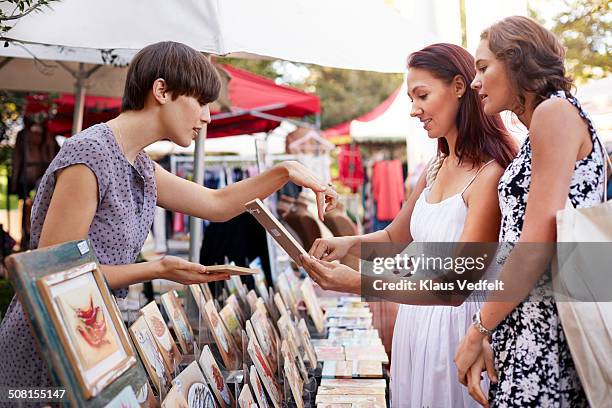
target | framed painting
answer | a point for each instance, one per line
(263, 369)
(150, 355)
(213, 374)
(308, 347)
(258, 388)
(245, 399)
(232, 324)
(232, 300)
(280, 234)
(312, 304)
(191, 384)
(224, 341)
(180, 323)
(291, 375)
(174, 399)
(163, 339)
(265, 337)
(76, 322)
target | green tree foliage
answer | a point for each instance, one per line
(345, 94)
(585, 27)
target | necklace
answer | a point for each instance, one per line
(120, 139)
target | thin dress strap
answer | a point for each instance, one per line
(476, 175)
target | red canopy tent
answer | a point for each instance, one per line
(258, 104)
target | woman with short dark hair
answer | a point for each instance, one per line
(102, 186)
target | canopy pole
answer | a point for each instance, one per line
(195, 224)
(79, 100)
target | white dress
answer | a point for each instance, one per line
(425, 338)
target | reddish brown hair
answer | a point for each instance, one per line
(533, 57)
(185, 70)
(479, 136)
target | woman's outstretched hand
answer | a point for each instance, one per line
(332, 276)
(327, 198)
(188, 273)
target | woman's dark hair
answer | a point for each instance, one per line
(479, 136)
(533, 57)
(185, 70)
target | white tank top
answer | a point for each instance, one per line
(442, 221)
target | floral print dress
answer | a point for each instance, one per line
(532, 358)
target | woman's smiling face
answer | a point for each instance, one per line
(434, 102)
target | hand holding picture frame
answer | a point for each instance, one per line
(76, 322)
(280, 234)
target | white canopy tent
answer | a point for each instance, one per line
(355, 34)
(396, 125)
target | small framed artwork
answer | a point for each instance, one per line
(232, 300)
(224, 341)
(76, 322)
(192, 385)
(252, 300)
(178, 317)
(280, 305)
(198, 296)
(312, 304)
(206, 291)
(174, 399)
(308, 347)
(289, 336)
(150, 355)
(258, 388)
(282, 284)
(215, 379)
(245, 399)
(163, 339)
(291, 375)
(266, 339)
(232, 324)
(250, 331)
(263, 369)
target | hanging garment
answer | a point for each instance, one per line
(387, 189)
(350, 167)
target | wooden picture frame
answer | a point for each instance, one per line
(291, 375)
(76, 323)
(180, 324)
(308, 347)
(224, 341)
(246, 399)
(192, 385)
(150, 355)
(263, 369)
(280, 234)
(232, 324)
(232, 270)
(258, 388)
(215, 379)
(161, 334)
(312, 304)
